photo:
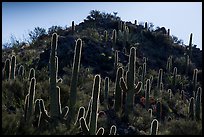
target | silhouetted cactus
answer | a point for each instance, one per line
(30, 100)
(88, 113)
(114, 38)
(143, 74)
(159, 111)
(146, 26)
(100, 131)
(54, 99)
(174, 78)
(135, 22)
(31, 74)
(168, 32)
(169, 64)
(150, 112)
(73, 27)
(105, 36)
(159, 79)
(21, 71)
(81, 113)
(191, 110)
(130, 88)
(195, 73)
(118, 90)
(94, 108)
(190, 46)
(75, 71)
(147, 93)
(13, 66)
(7, 69)
(106, 91)
(113, 130)
(154, 127)
(198, 104)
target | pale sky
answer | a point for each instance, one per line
(182, 18)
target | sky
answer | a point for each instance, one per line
(182, 18)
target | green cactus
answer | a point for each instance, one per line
(159, 110)
(88, 113)
(143, 75)
(154, 127)
(116, 61)
(31, 74)
(73, 27)
(118, 90)
(75, 71)
(7, 69)
(191, 110)
(94, 108)
(147, 93)
(106, 91)
(198, 104)
(113, 130)
(30, 100)
(169, 64)
(13, 66)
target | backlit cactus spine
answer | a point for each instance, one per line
(154, 127)
(13, 66)
(118, 90)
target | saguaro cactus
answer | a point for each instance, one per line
(195, 73)
(75, 71)
(147, 93)
(113, 130)
(81, 113)
(114, 38)
(198, 104)
(106, 90)
(31, 74)
(191, 109)
(21, 71)
(118, 90)
(159, 79)
(130, 88)
(190, 46)
(94, 108)
(105, 36)
(54, 99)
(13, 66)
(30, 100)
(73, 27)
(7, 69)
(154, 127)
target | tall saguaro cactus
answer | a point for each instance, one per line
(30, 100)
(191, 109)
(147, 93)
(114, 38)
(94, 108)
(31, 74)
(195, 73)
(73, 27)
(13, 66)
(54, 99)
(159, 79)
(190, 46)
(130, 88)
(75, 71)
(106, 91)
